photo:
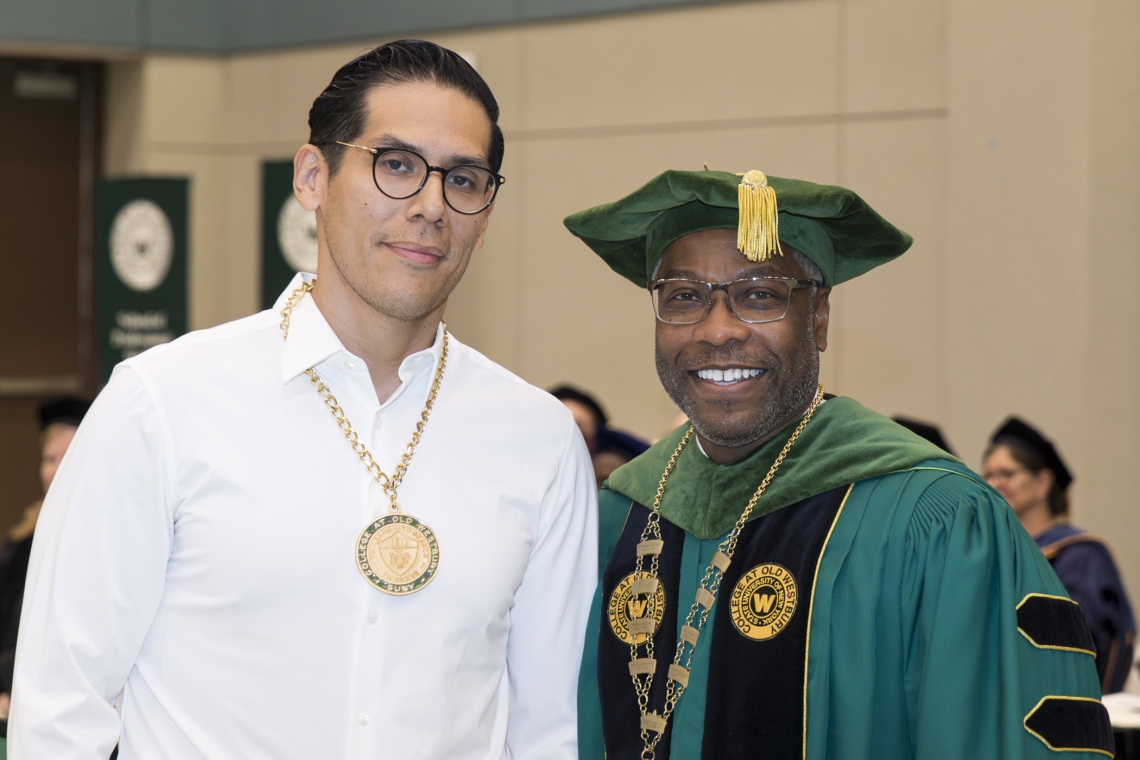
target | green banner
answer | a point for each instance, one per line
(288, 232)
(140, 244)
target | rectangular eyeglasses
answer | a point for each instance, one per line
(752, 300)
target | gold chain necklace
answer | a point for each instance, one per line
(646, 583)
(396, 553)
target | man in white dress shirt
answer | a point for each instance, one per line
(214, 556)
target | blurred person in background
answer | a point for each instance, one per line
(615, 448)
(609, 448)
(1025, 468)
(59, 419)
(588, 413)
(925, 430)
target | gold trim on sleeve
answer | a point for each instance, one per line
(1043, 596)
(1029, 638)
(811, 606)
(1036, 707)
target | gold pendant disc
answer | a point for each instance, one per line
(641, 612)
(398, 554)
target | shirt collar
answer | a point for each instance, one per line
(312, 341)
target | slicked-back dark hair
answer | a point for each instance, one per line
(341, 111)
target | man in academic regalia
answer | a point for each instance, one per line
(796, 576)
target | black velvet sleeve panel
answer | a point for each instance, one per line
(1072, 724)
(1053, 622)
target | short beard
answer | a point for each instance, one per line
(790, 397)
(395, 304)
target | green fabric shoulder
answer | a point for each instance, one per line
(613, 509)
(844, 443)
(915, 649)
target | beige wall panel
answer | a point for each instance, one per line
(1016, 258)
(887, 328)
(122, 134)
(242, 279)
(584, 324)
(185, 99)
(747, 60)
(894, 55)
(1108, 503)
(497, 55)
(485, 311)
(271, 93)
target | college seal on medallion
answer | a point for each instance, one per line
(626, 607)
(398, 554)
(763, 602)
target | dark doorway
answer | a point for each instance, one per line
(50, 118)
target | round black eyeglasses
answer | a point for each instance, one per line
(400, 174)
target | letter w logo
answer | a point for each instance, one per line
(761, 603)
(636, 608)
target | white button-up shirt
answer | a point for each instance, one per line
(196, 553)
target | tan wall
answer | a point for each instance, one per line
(1002, 135)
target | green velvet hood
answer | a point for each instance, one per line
(844, 443)
(831, 225)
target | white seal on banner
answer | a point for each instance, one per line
(297, 235)
(142, 245)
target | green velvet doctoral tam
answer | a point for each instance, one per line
(883, 604)
(830, 225)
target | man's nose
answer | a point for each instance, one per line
(429, 203)
(720, 325)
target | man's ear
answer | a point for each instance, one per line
(310, 177)
(822, 317)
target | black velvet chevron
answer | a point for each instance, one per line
(1052, 622)
(1065, 723)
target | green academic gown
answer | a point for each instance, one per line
(883, 603)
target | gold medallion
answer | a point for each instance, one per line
(643, 610)
(398, 554)
(764, 602)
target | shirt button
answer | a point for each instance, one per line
(350, 364)
(362, 719)
(377, 513)
(378, 422)
(373, 616)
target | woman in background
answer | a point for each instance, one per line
(609, 448)
(1025, 468)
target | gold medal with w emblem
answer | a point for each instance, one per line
(637, 605)
(398, 554)
(763, 601)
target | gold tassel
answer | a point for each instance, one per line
(758, 234)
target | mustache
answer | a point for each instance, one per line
(728, 354)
